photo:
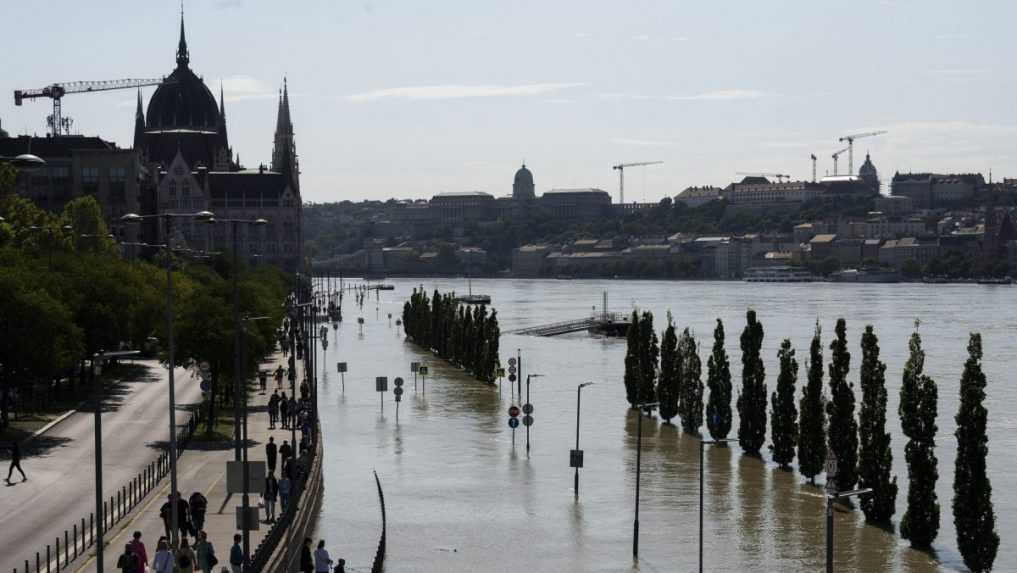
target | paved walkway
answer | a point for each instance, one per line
(204, 470)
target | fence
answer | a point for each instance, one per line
(81, 536)
(379, 556)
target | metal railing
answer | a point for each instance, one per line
(378, 566)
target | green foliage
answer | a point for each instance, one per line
(718, 378)
(632, 354)
(973, 513)
(841, 410)
(691, 385)
(464, 337)
(84, 216)
(875, 457)
(918, 398)
(649, 353)
(668, 388)
(811, 419)
(752, 400)
(783, 412)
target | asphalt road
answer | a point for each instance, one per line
(60, 464)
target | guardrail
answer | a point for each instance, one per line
(378, 566)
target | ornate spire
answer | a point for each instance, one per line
(139, 125)
(183, 56)
(284, 151)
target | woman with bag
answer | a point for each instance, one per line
(163, 561)
(185, 557)
(206, 553)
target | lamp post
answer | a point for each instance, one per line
(647, 407)
(245, 501)
(830, 498)
(578, 462)
(25, 161)
(99, 521)
(528, 376)
(168, 218)
(702, 448)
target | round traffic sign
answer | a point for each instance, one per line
(512, 377)
(398, 382)
(398, 391)
(514, 411)
(527, 408)
(512, 369)
(206, 385)
(512, 361)
(360, 320)
(527, 420)
(513, 423)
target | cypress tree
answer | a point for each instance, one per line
(752, 401)
(875, 458)
(668, 388)
(691, 384)
(784, 413)
(648, 360)
(632, 355)
(841, 409)
(918, 396)
(811, 420)
(718, 378)
(973, 515)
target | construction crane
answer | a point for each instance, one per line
(60, 125)
(780, 176)
(621, 176)
(850, 139)
(813, 156)
(835, 156)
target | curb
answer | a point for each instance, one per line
(50, 425)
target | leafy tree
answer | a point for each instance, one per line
(84, 215)
(648, 359)
(632, 356)
(918, 397)
(973, 514)
(691, 384)
(841, 409)
(668, 389)
(784, 413)
(811, 419)
(875, 458)
(718, 378)
(752, 401)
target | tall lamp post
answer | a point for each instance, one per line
(99, 521)
(647, 407)
(577, 462)
(528, 406)
(203, 216)
(830, 498)
(246, 471)
(702, 448)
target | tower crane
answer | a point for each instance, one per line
(850, 139)
(813, 156)
(60, 125)
(780, 176)
(621, 175)
(835, 156)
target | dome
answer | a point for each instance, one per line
(523, 176)
(183, 101)
(867, 169)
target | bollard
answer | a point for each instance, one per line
(76, 537)
(91, 528)
(67, 552)
(37, 561)
(47, 558)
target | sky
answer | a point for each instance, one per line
(407, 98)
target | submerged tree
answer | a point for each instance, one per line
(718, 378)
(812, 420)
(752, 401)
(649, 356)
(632, 355)
(691, 383)
(973, 514)
(841, 409)
(668, 388)
(784, 413)
(918, 404)
(875, 458)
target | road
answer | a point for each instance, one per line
(60, 464)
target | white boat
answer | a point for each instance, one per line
(779, 274)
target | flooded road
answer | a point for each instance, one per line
(462, 496)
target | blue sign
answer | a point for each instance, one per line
(513, 423)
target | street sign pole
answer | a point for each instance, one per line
(398, 392)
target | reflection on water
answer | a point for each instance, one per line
(462, 497)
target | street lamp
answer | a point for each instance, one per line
(830, 498)
(702, 447)
(647, 407)
(246, 471)
(25, 161)
(577, 456)
(528, 406)
(100, 517)
(203, 216)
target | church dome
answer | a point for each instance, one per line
(868, 174)
(184, 101)
(523, 176)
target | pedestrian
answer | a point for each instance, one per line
(199, 506)
(263, 380)
(185, 558)
(286, 451)
(279, 372)
(270, 453)
(284, 410)
(139, 549)
(341, 566)
(205, 553)
(270, 495)
(322, 561)
(128, 561)
(183, 517)
(273, 410)
(164, 513)
(293, 411)
(163, 560)
(236, 555)
(15, 463)
(284, 492)
(306, 562)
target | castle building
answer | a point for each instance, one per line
(522, 187)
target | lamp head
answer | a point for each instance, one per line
(204, 215)
(260, 222)
(131, 218)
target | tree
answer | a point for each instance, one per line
(84, 215)
(718, 378)
(784, 413)
(918, 397)
(812, 420)
(648, 359)
(632, 355)
(691, 384)
(973, 514)
(752, 401)
(668, 389)
(841, 410)
(875, 458)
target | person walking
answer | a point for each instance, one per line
(236, 555)
(286, 452)
(139, 549)
(163, 560)
(285, 486)
(293, 410)
(270, 495)
(199, 506)
(205, 552)
(128, 561)
(15, 463)
(322, 560)
(185, 558)
(183, 517)
(164, 513)
(270, 453)
(273, 410)
(284, 410)
(306, 561)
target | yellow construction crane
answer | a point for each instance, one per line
(62, 125)
(835, 156)
(780, 176)
(850, 139)
(621, 175)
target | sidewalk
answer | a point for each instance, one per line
(204, 470)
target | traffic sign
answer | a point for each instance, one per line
(381, 383)
(398, 382)
(575, 458)
(342, 367)
(500, 372)
(206, 385)
(512, 377)
(204, 365)
(512, 369)
(414, 366)
(514, 411)
(360, 320)
(831, 471)
(398, 392)
(513, 423)
(527, 420)
(512, 361)
(422, 370)
(527, 408)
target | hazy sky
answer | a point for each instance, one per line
(410, 98)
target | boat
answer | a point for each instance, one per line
(474, 298)
(779, 274)
(864, 275)
(995, 281)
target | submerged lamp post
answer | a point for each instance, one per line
(647, 407)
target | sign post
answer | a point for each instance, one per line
(381, 386)
(513, 422)
(342, 373)
(423, 378)
(398, 395)
(414, 366)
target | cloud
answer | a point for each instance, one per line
(239, 88)
(454, 91)
(582, 35)
(719, 95)
(641, 142)
(641, 38)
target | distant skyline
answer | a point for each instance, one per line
(406, 99)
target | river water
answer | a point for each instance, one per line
(462, 495)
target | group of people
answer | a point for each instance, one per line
(281, 410)
(319, 561)
(185, 558)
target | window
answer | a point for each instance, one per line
(172, 189)
(118, 184)
(89, 180)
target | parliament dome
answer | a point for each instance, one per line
(183, 101)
